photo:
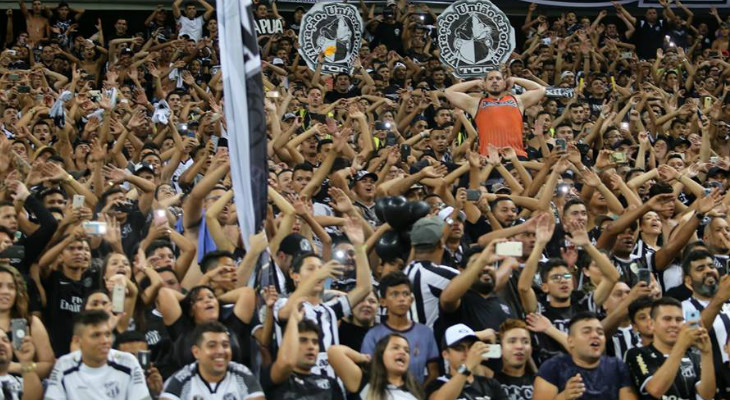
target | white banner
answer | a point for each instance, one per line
(334, 30)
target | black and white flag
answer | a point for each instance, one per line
(245, 116)
(334, 30)
(474, 37)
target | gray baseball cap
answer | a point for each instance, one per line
(427, 231)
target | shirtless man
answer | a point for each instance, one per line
(39, 28)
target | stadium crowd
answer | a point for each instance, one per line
(557, 229)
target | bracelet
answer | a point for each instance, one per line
(28, 368)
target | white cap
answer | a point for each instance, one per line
(456, 333)
(447, 211)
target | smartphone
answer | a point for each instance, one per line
(272, 94)
(94, 228)
(561, 144)
(390, 139)
(562, 189)
(78, 201)
(493, 351)
(19, 327)
(473, 194)
(546, 41)
(118, 298)
(692, 317)
(160, 217)
(624, 126)
(708, 102)
(405, 152)
(627, 55)
(23, 89)
(618, 157)
(94, 95)
(509, 249)
(13, 77)
(714, 159)
(644, 275)
(143, 356)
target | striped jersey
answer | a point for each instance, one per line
(428, 280)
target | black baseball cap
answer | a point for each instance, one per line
(294, 244)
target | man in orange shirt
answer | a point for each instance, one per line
(499, 115)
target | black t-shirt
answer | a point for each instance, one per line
(602, 383)
(643, 362)
(159, 343)
(352, 335)
(64, 298)
(181, 333)
(334, 95)
(390, 35)
(134, 230)
(649, 38)
(516, 388)
(301, 387)
(476, 312)
(560, 318)
(481, 388)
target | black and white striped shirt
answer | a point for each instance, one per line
(720, 326)
(428, 281)
(326, 316)
(621, 341)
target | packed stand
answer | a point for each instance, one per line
(555, 230)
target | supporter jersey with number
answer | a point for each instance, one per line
(120, 379)
(239, 384)
(644, 362)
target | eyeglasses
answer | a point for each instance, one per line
(560, 277)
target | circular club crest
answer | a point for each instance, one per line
(474, 37)
(334, 29)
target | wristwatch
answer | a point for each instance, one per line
(463, 370)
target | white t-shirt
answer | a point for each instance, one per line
(239, 384)
(13, 385)
(120, 379)
(191, 27)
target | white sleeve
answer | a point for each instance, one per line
(55, 390)
(137, 388)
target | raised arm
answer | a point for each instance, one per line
(457, 96)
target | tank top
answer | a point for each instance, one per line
(499, 122)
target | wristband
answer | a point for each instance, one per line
(28, 368)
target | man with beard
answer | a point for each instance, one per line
(14, 387)
(470, 297)
(499, 115)
(514, 377)
(717, 236)
(584, 373)
(668, 368)
(710, 297)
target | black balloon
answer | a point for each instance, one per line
(417, 210)
(380, 206)
(389, 246)
(396, 213)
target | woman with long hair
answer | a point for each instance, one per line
(14, 304)
(388, 377)
(201, 305)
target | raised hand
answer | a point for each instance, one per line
(354, 231)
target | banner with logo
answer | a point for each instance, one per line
(245, 115)
(335, 30)
(474, 37)
(640, 3)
